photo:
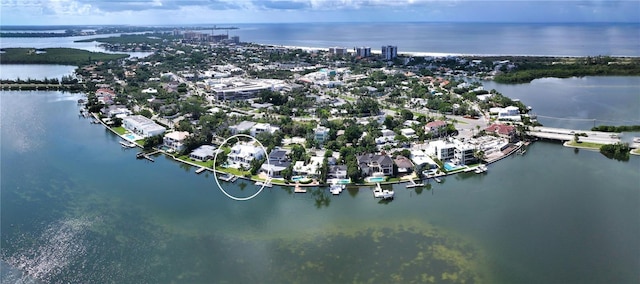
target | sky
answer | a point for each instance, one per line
(181, 12)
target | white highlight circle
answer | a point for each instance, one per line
(215, 176)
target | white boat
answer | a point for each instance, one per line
(382, 193)
(481, 169)
(335, 189)
(126, 144)
(266, 183)
(437, 180)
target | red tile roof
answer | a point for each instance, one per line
(501, 129)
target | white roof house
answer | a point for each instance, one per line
(175, 140)
(263, 127)
(203, 153)
(408, 132)
(241, 155)
(142, 126)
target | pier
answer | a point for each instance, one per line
(200, 170)
(229, 178)
(562, 134)
(413, 184)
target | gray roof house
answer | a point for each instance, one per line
(373, 163)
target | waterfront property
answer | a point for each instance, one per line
(175, 140)
(142, 126)
(277, 162)
(203, 153)
(375, 164)
(241, 155)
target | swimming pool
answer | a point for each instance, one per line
(130, 136)
(376, 179)
(297, 178)
(451, 167)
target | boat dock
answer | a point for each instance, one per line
(413, 184)
(299, 189)
(378, 192)
(143, 155)
(229, 178)
(200, 170)
(127, 144)
(266, 183)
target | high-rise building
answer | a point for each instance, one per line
(363, 51)
(337, 50)
(389, 52)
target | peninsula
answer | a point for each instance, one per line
(324, 116)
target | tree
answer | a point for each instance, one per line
(324, 171)
(406, 114)
(152, 141)
(146, 113)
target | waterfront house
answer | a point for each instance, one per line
(403, 164)
(175, 140)
(142, 126)
(371, 164)
(337, 171)
(502, 130)
(203, 153)
(277, 162)
(241, 155)
(443, 149)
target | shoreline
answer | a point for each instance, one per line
(442, 54)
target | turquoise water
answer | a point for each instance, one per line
(451, 167)
(78, 208)
(376, 179)
(129, 136)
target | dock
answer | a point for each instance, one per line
(378, 192)
(229, 178)
(299, 189)
(266, 183)
(126, 144)
(200, 170)
(413, 184)
(143, 155)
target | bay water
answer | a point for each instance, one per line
(78, 208)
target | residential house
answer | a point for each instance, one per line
(241, 155)
(388, 136)
(337, 171)
(242, 127)
(119, 111)
(436, 128)
(203, 153)
(105, 96)
(371, 164)
(142, 126)
(464, 153)
(404, 165)
(175, 140)
(502, 130)
(262, 128)
(278, 161)
(443, 150)
(321, 134)
(408, 132)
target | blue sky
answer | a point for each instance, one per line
(170, 12)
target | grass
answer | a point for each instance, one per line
(207, 164)
(120, 130)
(595, 146)
(232, 171)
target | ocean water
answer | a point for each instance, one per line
(456, 38)
(430, 38)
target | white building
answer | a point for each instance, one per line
(389, 52)
(175, 140)
(321, 134)
(261, 128)
(241, 155)
(408, 132)
(203, 153)
(142, 126)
